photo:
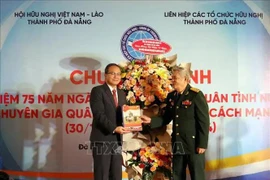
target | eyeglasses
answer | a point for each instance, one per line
(114, 74)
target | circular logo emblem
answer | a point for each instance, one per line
(133, 34)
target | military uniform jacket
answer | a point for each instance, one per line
(190, 117)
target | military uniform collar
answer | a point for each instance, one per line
(186, 91)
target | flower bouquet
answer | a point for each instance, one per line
(152, 159)
(147, 83)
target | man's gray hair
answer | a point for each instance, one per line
(182, 71)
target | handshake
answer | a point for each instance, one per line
(145, 119)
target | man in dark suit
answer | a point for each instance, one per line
(106, 136)
(188, 109)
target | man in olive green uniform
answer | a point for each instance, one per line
(188, 109)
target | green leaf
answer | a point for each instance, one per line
(147, 175)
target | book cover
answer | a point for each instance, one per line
(131, 117)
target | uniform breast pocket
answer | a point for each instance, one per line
(187, 111)
(170, 110)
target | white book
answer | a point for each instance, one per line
(132, 117)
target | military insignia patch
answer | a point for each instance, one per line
(186, 102)
(172, 102)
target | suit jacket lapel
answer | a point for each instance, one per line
(109, 93)
(121, 98)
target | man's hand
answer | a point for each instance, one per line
(121, 130)
(145, 119)
(200, 150)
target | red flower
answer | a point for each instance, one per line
(121, 82)
(140, 62)
(141, 165)
(135, 154)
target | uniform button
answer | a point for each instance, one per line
(177, 134)
(176, 125)
(176, 116)
(177, 107)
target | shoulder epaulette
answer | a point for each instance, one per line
(195, 89)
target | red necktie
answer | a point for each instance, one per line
(114, 97)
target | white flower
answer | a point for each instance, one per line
(123, 64)
(130, 95)
(142, 98)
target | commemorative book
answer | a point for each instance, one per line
(132, 117)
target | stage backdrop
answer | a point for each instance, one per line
(54, 52)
